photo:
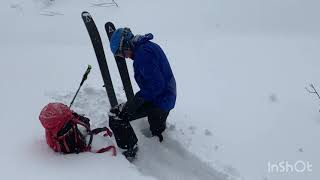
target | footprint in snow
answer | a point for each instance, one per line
(170, 160)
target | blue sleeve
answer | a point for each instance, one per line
(153, 81)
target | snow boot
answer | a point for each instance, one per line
(131, 153)
(125, 136)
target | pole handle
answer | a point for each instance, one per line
(85, 76)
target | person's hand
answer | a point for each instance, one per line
(124, 114)
(130, 107)
(115, 111)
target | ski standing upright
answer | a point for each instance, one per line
(123, 132)
(122, 65)
(98, 48)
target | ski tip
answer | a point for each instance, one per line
(108, 24)
(86, 17)
(109, 28)
(85, 14)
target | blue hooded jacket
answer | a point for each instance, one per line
(153, 73)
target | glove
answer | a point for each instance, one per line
(115, 111)
(131, 107)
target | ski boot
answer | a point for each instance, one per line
(130, 153)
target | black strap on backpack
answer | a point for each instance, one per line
(73, 141)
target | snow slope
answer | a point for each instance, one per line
(241, 70)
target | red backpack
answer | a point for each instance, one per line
(62, 132)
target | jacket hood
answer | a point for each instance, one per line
(141, 39)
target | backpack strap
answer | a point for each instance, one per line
(113, 148)
(63, 138)
(99, 130)
(95, 132)
(77, 121)
(108, 133)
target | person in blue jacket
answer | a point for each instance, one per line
(153, 74)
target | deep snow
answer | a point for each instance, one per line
(241, 70)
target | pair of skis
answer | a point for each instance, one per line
(104, 69)
(123, 70)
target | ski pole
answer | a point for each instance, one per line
(85, 76)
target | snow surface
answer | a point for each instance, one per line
(241, 69)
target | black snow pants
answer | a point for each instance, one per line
(124, 133)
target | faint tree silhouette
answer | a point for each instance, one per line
(313, 91)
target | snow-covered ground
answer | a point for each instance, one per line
(241, 69)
